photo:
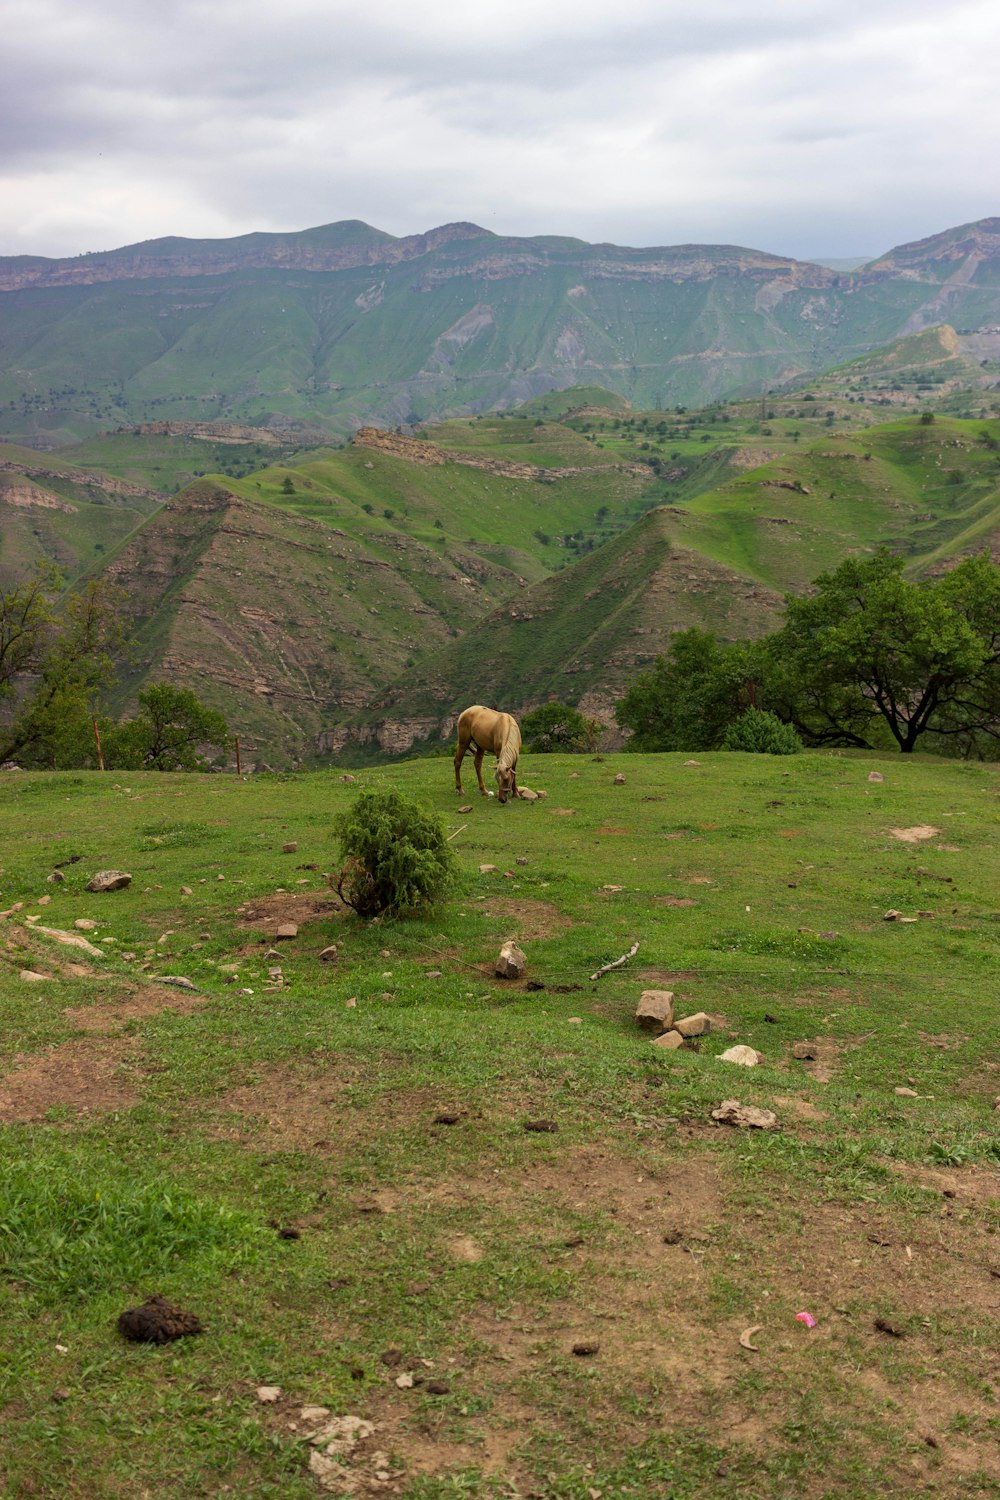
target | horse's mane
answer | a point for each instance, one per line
(510, 745)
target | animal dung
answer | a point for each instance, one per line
(157, 1321)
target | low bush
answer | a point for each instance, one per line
(396, 856)
(761, 733)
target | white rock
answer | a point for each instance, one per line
(266, 1394)
(747, 1057)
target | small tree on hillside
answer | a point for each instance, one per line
(554, 726)
(171, 732)
(56, 658)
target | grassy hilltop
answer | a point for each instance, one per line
(269, 1149)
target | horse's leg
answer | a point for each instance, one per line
(479, 772)
(459, 757)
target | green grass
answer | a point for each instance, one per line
(160, 1147)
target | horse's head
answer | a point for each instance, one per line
(505, 783)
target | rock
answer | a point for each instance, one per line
(267, 1394)
(904, 1093)
(186, 890)
(433, 973)
(747, 1116)
(521, 860)
(487, 869)
(56, 878)
(619, 780)
(746, 1057)
(875, 776)
(466, 809)
(33, 977)
(892, 915)
(511, 963)
(177, 980)
(655, 1011)
(109, 880)
(71, 940)
(697, 1025)
(405, 1381)
(541, 796)
(350, 780)
(526, 794)
(313, 1413)
(290, 848)
(285, 932)
(328, 954)
(692, 762)
(805, 1051)
(669, 1041)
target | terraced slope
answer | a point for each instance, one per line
(343, 326)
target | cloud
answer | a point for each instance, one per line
(809, 128)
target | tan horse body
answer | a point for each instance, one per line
(487, 730)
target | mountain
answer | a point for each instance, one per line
(321, 332)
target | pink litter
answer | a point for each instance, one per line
(806, 1318)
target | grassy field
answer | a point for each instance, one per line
(158, 1139)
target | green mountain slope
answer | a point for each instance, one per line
(343, 326)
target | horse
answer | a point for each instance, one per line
(486, 729)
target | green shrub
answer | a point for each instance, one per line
(761, 733)
(396, 855)
(554, 726)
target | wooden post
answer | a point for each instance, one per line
(100, 752)
(239, 769)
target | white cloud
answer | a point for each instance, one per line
(798, 128)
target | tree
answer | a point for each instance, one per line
(872, 648)
(689, 698)
(55, 661)
(554, 727)
(169, 733)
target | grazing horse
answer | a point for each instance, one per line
(485, 729)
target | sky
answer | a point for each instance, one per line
(811, 128)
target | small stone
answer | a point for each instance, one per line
(56, 878)
(405, 1381)
(585, 1349)
(466, 809)
(44, 900)
(178, 980)
(486, 869)
(905, 1093)
(33, 977)
(61, 1393)
(892, 915)
(186, 890)
(220, 877)
(692, 762)
(351, 1004)
(669, 1041)
(655, 1011)
(290, 848)
(804, 1051)
(511, 962)
(267, 1394)
(527, 795)
(349, 780)
(746, 1116)
(574, 1020)
(109, 880)
(696, 1025)
(619, 780)
(520, 860)
(875, 776)
(328, 954)
(313, 1413)
(433, 973)
(286, 931)
(746, 1057)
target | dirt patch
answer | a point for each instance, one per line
(798, 1108)
(914, 835)
(269, 913)
(530, 919)
(85, 1077)
(667, 976)
(980, 1185)
(292, 1108)
(108, 1016)
(824, 1062)
(675, 901)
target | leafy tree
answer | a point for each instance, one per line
(689, 698)
(397, 857)
(870, 648)
(554, 727)
(55, 660)
(168, 734)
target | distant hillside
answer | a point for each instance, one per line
(344, 326)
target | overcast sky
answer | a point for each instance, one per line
(803, 127)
